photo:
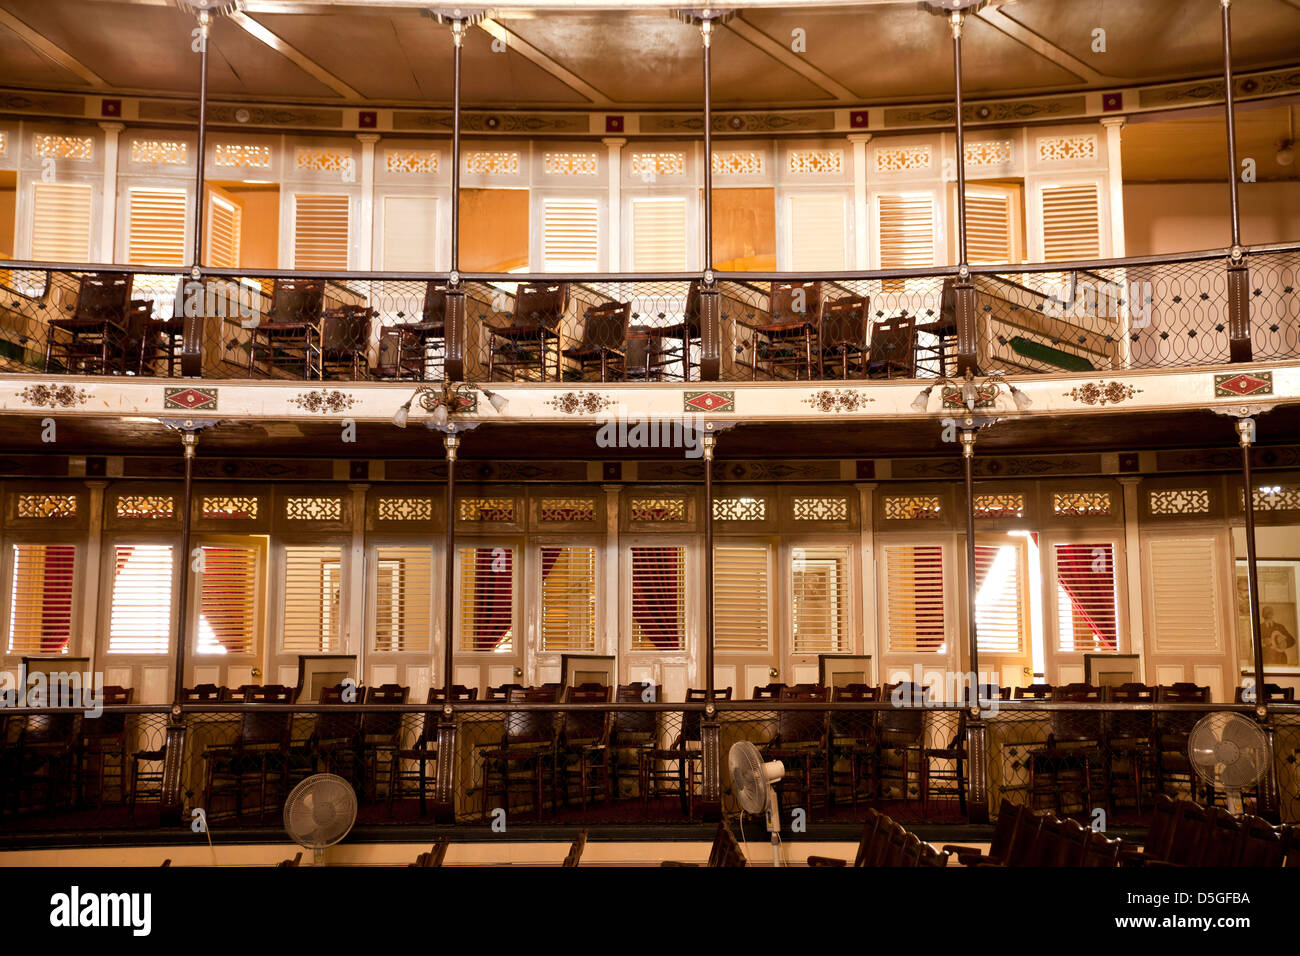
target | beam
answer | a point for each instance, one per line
(789, 59)
(1022, 34)
(295, 56)
(529, 52)
(42, 45)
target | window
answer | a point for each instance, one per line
(225, 218)
(1183, 582)
(659, 235)
(403, 598)
(40, 604)
(740, 608)
(61, 222)
(228, 601)
(658, 598)
(817, 233)
(568, 599)
(312, 601)
(571, 235)
(914, 598)
(140, 618)
(321, 231)
(487, 599)
(820, 602)
(410, 233)
(1071, 223)
(999, 609)
(992, 224)
(156, 231)
(906, 234)
(1086, 597)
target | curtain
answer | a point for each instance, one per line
(655, 594)
(493, 596)
(1091, 592)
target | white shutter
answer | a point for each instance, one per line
(312, 599)
(659, 235)
(228, 600)
(570, 235)
(989, 225)
(740, 609)
(410, 233)
(1183, 576)
(224, 222)
(404, 598)
(906, 224)
(658, 598)
(1071, 222)
(140, 614)
(817, 233)
(1087, 601)
(486, 599)
(999, 611)
(914, 598)
(568, 599)
(61, 222)
(156, 226)
(321, 231)
(41, 602)
(820, 604)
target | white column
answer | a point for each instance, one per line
(108, 218)
(1115, 180)
(615, 171)
(860, 217)
(366, 243)
(613, 615)
(1133, 572)
(355, 639)
(867, 575)
(90, 573)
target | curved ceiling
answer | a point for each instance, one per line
(520, 58)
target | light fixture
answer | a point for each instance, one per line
(1022, 400)
(971, 393)
(922, 400)
(446, 399)
(1285, 152)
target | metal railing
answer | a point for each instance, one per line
(1140, 313)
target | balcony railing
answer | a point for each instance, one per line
(136, 768)
(1149, 313)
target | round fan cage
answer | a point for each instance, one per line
(747, 781)
(1227, 750)
(320, 811)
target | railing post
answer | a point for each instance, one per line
(977, 793)
(170, 800)
(205, 27)
(710, 727)
(453, 361)
(710, 318)
(452, 443)
(963, 291)
(444, 783)
(1239, 344)
(972, 589)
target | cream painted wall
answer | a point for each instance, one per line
(1272, 541)
(1163, 218)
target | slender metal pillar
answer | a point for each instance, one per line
(708, 442)
(963, 291)
(190, 438)
(452, 443)
(1240, 348)
(710, 726)
(1229, 105)
(956, 21)
(453, 361)
(706, 34)
(205, 27)
(968, 460)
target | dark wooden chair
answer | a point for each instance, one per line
(434, 857)
(788, 337)
(943, 769)
(1072, 751)
(685, 332)
(603, 344)
(631, 731)
(103, 748)
(800, 743)
(674, 766)
(45, 765)
(1273, 694)
(844, 334)
(584, 744)
(501, 692)
(288, 335)
(852, 738)
(405, 348)
(893, 349)
(260, 752)
(381, 736)
(1034, 692)
(1004, 831)
(96, 330)
(526, 755)
(1128, 751)
(533, 333)
(297, 858)
(768, 692)
(575, 851)
(344, 341)
(1172, 731)
(900, 731)
(411, 764)
(335, 732)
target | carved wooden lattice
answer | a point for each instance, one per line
(146, 506)
(1009, 505)
(47, 506)
(909, 507)
(1179, 501)
(567, 509)
(739, 509)
(658, 509)
(313, 509)
(1081, 504)
(237, 507)
(820, 509)
(486, 509)
(404, 509)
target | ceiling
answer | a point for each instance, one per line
(394, 53)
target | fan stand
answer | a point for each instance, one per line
(774, 824)
(318, 855)
(1233, 799)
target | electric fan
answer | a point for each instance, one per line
(751, 781)
(319, 813)
(1228, 752)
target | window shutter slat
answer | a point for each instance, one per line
(228, 601)
(658, 598)
(820, 607)
(140, 618)
(568, 599)
(571, 235)
(817, 233)
(61, 222)
(988, 228)
(999, 613)
(40, 608)
(659, 235)
(312, 610)
(225, 220)
(914, 598)
(1086, 598)
(156, 233)
(906, 230)
(410, 233)
(403, 599)
(486, 599)
(1071, 223)
(1184, 596)
(740, 605)
(321, 235)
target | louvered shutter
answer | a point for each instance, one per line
(228, 600)
(740, 607)
(61, 222)
(914, 598)
(487, 599)
(410, 233)
(820, 606)
(571, 235)
(817, 233)
(140, 613)
(156, 226)
(321, 231)
(568, 599)
(989, 225)
(312, 599)
(659, 235)
(658, 598)
(999, 611)
(403, 598)
(906, 223)
(1071, 222)
(224, 222)
(1086, 598)
(40, 606)
(1183, 574)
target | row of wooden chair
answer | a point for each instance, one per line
(433, 857)
(886, 843)
(724, 852)
(1023, 837)
(1183, 833)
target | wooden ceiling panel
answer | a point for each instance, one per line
(1196, 148)
(21, 65)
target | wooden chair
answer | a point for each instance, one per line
(900, 731)
(893, 349)
(97, 327)
(794, 319)
(604, 334)
(675, 764)
(949, 778)
(685, 331)
(425, 749)
(47, 759)
(1172, 731)
(205, 694)
(768, 692)
(260, 751)
(335, 732)
(1034, 692)
(800, 743)
(297, 858)
(103, 746)
(575, 851)
(526, 754)
(844, 333)
(1273, 694)
(852, 737)
(1004, 832)
(404, 349)
(434, 857)
(1072, 751)
(501, 692)
(539, 309)
(1127, 739)
(344, 341)
(874, 829)
(289, 333)
(381, 735)
(584, 741)
(631, 731)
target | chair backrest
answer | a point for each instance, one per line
(629, 725)
(586, 726)
(768, 692)
(605, 325)
(854, 724)
(384, 725)
(575, 850)
(1160, 833)
(540, 304)
(993, 692)
(906, 719)
(1222, 839)
(1128, 725)
(459, 692)
(530, 726)
(1261, 844)
(725, 850)
(103, 296)
(1024, 838)
(203, 694)
(109, 725)
(1076, 725)
(435, 303)
(871, 827)
(795, 302)
(691, 719)
(346, 329)
(802, 726)
(1273, 694)
(1179, 723)
(266, 693)
(1034, 692)
(1003, 830)
(502, 692)
(691, 315)
(261, 728)
(297, 300)
(1191, 834)
(844, 322)
(334, 725)
(894, 341)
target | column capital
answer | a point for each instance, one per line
(112, 127)
(614, 142)
(859, 137)
(1127, 480)
(612, 489)
(1115, 121)
(369, 138)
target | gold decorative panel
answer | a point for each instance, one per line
(909, 507)
(313, 509)
(47, 506)
(570, 164)
(238, 154)
(1179, 501)
(404, 509)
(146, 506)
(658, 164)
(486, 509)
(411, 160)
(1081, 504)
(747, 162)
(159, 152)
(566, 509)
(901, 159)
(658, 509)
(1054, 149)
(1273, 498)
(1010, 505)
(4, 142)
(228, 506)
(820, 509)
(822, 161)
(492, 163)
(50, 146)
(739, 509)
(324, 159)
(994, 153)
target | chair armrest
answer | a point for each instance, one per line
(826, 861)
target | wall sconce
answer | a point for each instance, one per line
(971, 393)
(445, 400)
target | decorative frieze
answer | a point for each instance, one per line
(657, 509)
(902, 159)
(739, 509)
(229, 507)
(746, 162)
(1179, 501)
(566, 509)
(492, 163)
(1059, 149)
(570, 164)
(52, 146)
(912, 507)
(992, 153)
(817, 161)
(819, 509)
(242, 155)
(423, 161)
(1081, 504)
(486, 509)
(159, 152)
(323, 159)
(650, 165)
(404, 509)
(47, 506)
(313, 508)
(146, 506)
